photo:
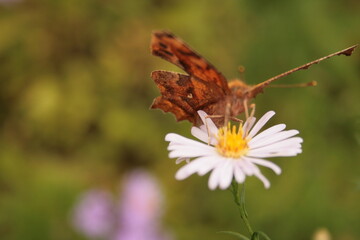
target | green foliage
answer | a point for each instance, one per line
(74, 111)
(235, 234)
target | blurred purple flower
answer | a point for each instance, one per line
(94, 214)
(136, 217)
(141, 207)
(141, 201)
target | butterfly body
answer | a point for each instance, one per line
(203, 87)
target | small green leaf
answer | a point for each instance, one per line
(255, 236)
(240, 236)
(264, 235)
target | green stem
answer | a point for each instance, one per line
(239, 199)
(240, 202)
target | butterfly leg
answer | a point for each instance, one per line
(215, 116)
(227, 113)
(246, 108)
(207, 126)
(252, 106)
(221, 116)
(236, 120)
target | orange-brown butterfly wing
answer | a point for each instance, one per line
(183, 95)
(174, 50)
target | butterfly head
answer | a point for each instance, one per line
(239, 88)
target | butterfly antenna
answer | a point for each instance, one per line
(308, 84)
(259, 87)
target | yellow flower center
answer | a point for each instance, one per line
(231, 143)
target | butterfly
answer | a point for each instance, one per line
(204, 87)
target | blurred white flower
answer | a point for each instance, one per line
(231, 152)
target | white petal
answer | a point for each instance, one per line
(203, 135)
(200, 134)
(203, 128)
(202, 147)
(176, 139)
(214, 179)
(273, 139)
(262, 121)
(239, 174)
(190, 152)
(268, 132)
(248, 125)
(211, 164)
(287, 145)
(211, 127)
(259, 175)
(194, 166)
(265, 163)
(245, 167)
(226, 174)
(271, 150)
(275, 154)
(263, 179)
(181, 159)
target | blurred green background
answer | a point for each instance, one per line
(75, 93)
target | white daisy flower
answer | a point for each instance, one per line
(231, 152)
